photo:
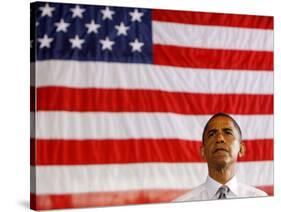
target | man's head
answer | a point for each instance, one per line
(222, 141)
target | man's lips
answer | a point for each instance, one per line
(220, 149)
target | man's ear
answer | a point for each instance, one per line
(242, 149)
(202, 152)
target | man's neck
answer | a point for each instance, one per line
(222, 175)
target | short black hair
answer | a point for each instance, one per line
(225, 115)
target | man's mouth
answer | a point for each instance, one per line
(220, 149)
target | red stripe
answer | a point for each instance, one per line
(32, 151)
(212, 58)
(258, 150)
(74, 152)
(216, 19)
(122, 100)
(48, 202)
(269, 189)
(84, 152)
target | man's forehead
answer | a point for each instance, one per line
(221, 122)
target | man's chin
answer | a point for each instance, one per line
(221, 163)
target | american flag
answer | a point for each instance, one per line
(120, 96)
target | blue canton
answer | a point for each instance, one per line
(90, 33)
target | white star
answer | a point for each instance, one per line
(45, 41)
(62, 26)
(136, 15)
(77, 12)
(122, 29)
(37, 23)
(136, 45)
(92, 27)
(46, 10)
(107, 44)
(76, 42)
(107, 13)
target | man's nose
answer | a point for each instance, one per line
(220, 138)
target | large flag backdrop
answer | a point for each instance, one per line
(120, 96)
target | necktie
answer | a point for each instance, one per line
(222, 192)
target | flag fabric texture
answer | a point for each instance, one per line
(120, 96)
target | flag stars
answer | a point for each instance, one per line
(77, 11)
(47, 10)
(105, 34)
(136, 45)
(76, 42)
(92, 27)
(136, 15)
(61, 26)
(107, 13)
(45, 41)
(107, 44)
(121, 29)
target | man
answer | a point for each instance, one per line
(222, 145)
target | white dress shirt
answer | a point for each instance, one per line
(208, 191)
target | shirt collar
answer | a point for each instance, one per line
(213, 186)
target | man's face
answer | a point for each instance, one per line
(221, 142)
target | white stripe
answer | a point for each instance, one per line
(216, 37)
(103, 125)
(141, 76)
(33, 182)
(256, 173)
(101, 178)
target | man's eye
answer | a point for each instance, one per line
(211, 134)
(228, 132)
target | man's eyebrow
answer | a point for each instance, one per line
(214, 130)
(227, 129)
